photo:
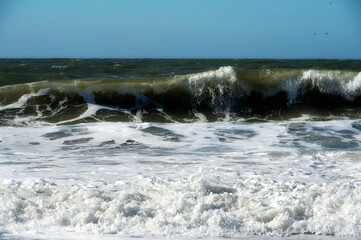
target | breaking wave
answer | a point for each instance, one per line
(225, 93)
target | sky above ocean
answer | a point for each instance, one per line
(180, 29)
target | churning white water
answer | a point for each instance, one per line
(223, 179)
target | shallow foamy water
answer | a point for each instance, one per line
(223, 179)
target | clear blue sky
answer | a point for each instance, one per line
(181, 28)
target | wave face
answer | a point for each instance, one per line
(227, 93)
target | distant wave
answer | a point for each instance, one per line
(59, 67)
(216, 95)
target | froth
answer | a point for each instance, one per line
(345, 84)
(275, 179)
(223, 74)
(197, 206)
(218, 85)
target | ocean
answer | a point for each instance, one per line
(180, 148)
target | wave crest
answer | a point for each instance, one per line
(214, 95)
(345, 84)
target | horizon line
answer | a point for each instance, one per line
(175, 58)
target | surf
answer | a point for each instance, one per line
(227, 92)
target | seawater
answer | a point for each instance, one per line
(115, 148)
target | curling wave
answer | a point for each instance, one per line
(222, 94)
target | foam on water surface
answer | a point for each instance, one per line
(176, 147)
(194, 206)
(224, 179)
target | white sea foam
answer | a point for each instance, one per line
(225, 179)
(354, 87)
(346, 84)
(193, 206)
(128, 144)
(24, 98)
(218, 84)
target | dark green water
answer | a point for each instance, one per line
(13, 71)
(67, 91)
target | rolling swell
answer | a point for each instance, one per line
(228, 93)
